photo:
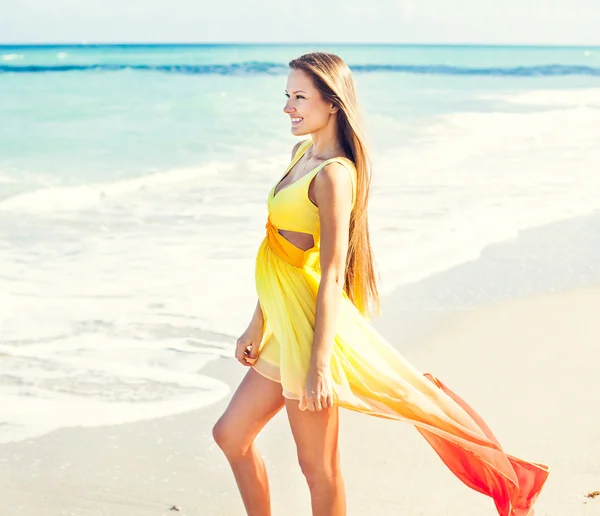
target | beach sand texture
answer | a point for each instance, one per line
(528, 366)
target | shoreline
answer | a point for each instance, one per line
(144, 468)
(533, 382)
(534, 262)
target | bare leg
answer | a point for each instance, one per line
(316, 436)
(253, 404)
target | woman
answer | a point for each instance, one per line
(309, 344)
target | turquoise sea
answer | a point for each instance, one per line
(133, 184)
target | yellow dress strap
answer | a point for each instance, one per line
(302, 148)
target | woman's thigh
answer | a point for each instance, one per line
(316, 437)
(255, 401)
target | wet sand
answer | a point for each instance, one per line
(528, 366)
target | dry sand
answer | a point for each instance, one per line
(529, 367)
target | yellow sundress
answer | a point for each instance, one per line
(369, 375)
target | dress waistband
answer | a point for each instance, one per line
(288, 252)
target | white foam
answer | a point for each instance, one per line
(127, 280)
(138, 274)
(479, 178)
(12, 57)
(60, 199)
(585, 97)
(93, 379)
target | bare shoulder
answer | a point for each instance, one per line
(334, 177)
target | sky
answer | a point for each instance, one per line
(561, 22)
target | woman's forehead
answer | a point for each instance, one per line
(298, 80)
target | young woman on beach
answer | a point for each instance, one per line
(309, 346)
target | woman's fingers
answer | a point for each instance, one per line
(310, 403)
(314, 404)
(238, 351)
(317, 403)
(251, 354)
(241, 350)
(248, 358)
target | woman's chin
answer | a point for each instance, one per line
(297, 131)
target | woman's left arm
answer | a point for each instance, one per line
(333, 195)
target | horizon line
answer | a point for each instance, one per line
(275, 43)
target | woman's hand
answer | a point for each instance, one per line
(319, 389)
(246, 349)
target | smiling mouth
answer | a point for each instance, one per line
(296, 120)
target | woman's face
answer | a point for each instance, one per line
(305, 106)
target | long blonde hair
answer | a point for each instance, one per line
(333, 79)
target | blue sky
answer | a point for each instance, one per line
(443, 21)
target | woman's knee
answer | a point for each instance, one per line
(229, 440)
(253, 404)
(319, 470)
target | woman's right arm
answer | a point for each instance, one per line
(246, 349)
(257, 317)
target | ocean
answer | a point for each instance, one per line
(133, 185)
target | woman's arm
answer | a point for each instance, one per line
(247, 345)
(246, 348)
(333, 195)
(257, 317)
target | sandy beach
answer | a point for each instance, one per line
(515, 333)
(133, 198)
(529, 366)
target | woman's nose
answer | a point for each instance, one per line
(287, 108)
